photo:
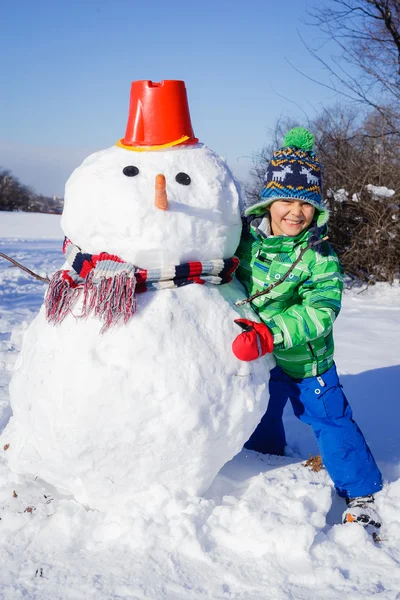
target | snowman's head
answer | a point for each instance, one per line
(154, 208)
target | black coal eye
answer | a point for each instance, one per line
(183, 179)
(130, 171)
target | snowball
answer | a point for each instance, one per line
(160, 401)
(107, 211)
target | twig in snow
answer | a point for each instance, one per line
(17, 264)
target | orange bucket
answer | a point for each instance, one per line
(159, 116)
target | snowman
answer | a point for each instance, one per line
(122, 397)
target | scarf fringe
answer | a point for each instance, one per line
(112, 300)
(60, 298)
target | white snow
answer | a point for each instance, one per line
(30, 226)
(267, 527)
(379, 191)
(340, 195)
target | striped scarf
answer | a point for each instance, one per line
(109, 284)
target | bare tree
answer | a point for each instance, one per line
(367, 35)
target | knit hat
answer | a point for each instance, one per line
(293, 173)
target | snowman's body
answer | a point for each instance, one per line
(159, 402)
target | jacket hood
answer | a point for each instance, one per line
(260, 208)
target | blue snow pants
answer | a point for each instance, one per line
(321, 403)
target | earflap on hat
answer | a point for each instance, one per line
(293, 173)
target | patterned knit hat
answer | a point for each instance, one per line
(294, 173)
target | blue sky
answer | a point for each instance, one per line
(67, 66)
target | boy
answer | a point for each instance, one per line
(296, 323)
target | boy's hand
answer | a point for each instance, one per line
(255, 341)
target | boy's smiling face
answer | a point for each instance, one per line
(290, 217)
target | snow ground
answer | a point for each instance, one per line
(266, 529)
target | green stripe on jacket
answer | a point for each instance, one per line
(301, 310)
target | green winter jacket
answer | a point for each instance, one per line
(300, 311)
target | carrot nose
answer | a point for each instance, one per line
(161, 200)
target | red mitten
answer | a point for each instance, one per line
(255, 341)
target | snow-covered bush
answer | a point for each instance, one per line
(365, 231)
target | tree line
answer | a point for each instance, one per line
(16, 196)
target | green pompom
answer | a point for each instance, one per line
(299, 137)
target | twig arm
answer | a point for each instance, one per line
(17, 264)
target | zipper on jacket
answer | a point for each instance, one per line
(315, 363)
(261, 258)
